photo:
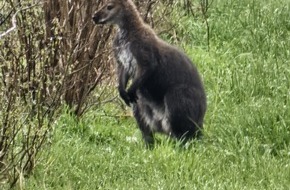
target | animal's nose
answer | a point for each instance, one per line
(94, 17)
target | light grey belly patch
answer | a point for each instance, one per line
(127, 59)
(156, 117)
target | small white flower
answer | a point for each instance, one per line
(131, 139)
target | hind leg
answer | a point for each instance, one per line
(186, 109)
(147, 134)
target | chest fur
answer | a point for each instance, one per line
(124, 56)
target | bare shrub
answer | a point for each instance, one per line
(52, 54)
(47, 58)
(70, 28)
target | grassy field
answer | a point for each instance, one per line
(247, 127)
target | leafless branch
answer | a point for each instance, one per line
(14, 21)
(2, 21)
(205, 4)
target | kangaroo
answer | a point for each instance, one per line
(166, 93)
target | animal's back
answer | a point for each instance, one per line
(174, 70)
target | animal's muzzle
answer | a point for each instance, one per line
(96, 19)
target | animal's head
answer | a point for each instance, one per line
(112, 12)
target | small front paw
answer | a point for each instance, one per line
(132, 95)
(125, 97)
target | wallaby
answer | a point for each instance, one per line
(166, 93)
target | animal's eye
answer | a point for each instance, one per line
(110, 7)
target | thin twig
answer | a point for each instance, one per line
(204, 10)
(14, 22)
(6, 18)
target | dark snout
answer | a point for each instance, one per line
(97, 18)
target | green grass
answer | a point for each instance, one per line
(105, 152)
(247, 126)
